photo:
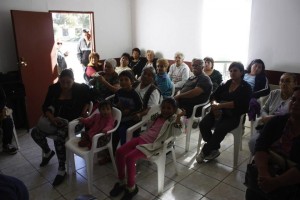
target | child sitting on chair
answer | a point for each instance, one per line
(149, 143)
(100, 122)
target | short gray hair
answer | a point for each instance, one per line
(111, 61)
(180, 55)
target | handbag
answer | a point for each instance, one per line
(46, 126)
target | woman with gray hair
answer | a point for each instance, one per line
(179, 72)
(105, 83)
(148, 91)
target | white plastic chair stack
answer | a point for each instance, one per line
(88, 155)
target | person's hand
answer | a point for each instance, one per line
(215, 106)
(66, 53)
(177, 97)
(265, 119)
(268, 183)
(101, 79)
(182, 113)
(137, 117)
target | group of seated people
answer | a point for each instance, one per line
(137, 85)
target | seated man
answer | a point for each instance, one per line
(196, 90)
(6, 125)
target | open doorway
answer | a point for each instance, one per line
(69, 28)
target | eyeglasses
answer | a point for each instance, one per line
(59, 43)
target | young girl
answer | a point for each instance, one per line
(98, 122)
(129, 102)
(165, 125)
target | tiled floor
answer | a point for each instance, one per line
(213, 180)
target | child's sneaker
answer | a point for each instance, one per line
(118, 189)
(10, 149)
(130, 194)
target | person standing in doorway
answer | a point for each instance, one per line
(84, 49)
(61, 54)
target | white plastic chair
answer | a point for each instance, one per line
(191, 120)
(160, 158)
(153, 111)
(14, 129)
(237, 137)
(15, 132)
(88, 155)
(173, 90)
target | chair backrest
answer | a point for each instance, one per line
(117, 116)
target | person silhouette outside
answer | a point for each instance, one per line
(84, 49)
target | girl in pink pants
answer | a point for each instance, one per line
(165, 125)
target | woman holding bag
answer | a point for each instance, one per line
(65, 101)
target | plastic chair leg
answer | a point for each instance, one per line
(174, 160)
(70, 162)
(199, 143)
(89, 168)
(161, 173)
(113, 159)
(236, 147)
(16, 137)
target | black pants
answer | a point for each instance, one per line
(7, 127)
(222, 127)
(59, 143)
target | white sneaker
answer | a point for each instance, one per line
(200, 157)
(213, 154)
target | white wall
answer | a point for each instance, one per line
(167, 26)
(275, 34)
(112, 25)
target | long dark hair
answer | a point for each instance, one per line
(257, 61)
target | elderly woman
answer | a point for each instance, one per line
(124, 62)
(280, 137)
(256, 77)
(94, 65)
(151, 60)
(276, 104)
(137, 62)
(228, 103)
(179, 72)
(214, 75)
(65, 101)
(105, 83)
(149, 93)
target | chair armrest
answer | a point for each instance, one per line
(197, 106)
(167, 142)
(205, 109)
(71, 127)
(133, 128)
(96, 138)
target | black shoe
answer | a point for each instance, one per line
(118, 189)
(129, 195)
(10, 149)
(46, 160)
(58, 179)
